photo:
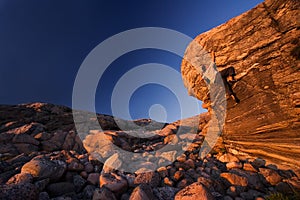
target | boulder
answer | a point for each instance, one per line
(235, 179)
(165, 193)
(263, 46)
(103, 194)
(194, 191)
(60, 188)
(232, 165)
(112, 163)
(151, 178)
(20, 178)
(93, 178)
(19, 192)
(270, 175)
(228, 157)
(79, 183)
(142, 192)
(25, 138)
(42, 168)
(113, 182)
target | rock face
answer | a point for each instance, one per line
(263, 45)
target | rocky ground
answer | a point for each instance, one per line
(43, 158)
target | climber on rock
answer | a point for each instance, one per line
(228, 77)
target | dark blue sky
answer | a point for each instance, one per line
(43, 43)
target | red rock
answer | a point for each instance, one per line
(235, 179)
(163, 172)
(168, 182)
(193, 192)
(184, 182)
(142, 192)
(178, 175)
(93, 178)
(171, 139)
(103, 194)
(232, 165)
(42, 168)
(58, 138)
(235, 191)
(42, 136)
(169, 155)
(130, 180)
(112, 163)
(190, 164)
(270, 175)
(248, 126)
(27, 129)
(114, 182)
(258, 162)
(20, 178)
(94, 143)
(249, 167)
(168, 130)
(151, 178)
(228, 158)
(181, 158)
(69, 141)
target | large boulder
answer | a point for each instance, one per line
(263, 45)
(42, 168)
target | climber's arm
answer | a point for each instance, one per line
(213, 57)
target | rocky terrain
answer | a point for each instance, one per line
(42, 157)
(263, 45)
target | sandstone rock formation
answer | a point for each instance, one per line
(263, 45)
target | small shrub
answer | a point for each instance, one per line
(223, 150)
(280, 196)
(277, 196)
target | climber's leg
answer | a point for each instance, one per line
(229, 90)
